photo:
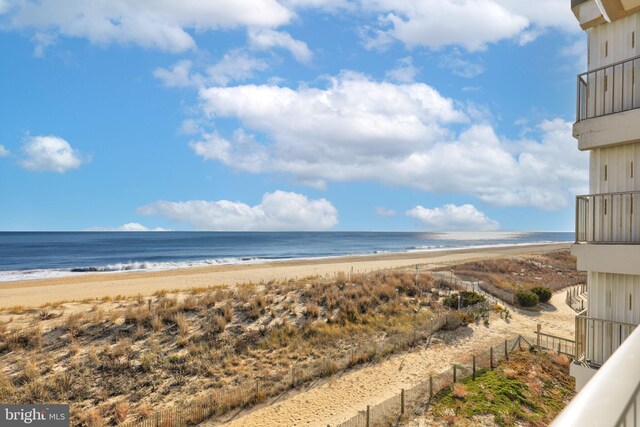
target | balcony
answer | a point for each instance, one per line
(612, 396)
(609, 89)
(598, 339)
(610, 218)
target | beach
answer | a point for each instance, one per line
(299, 330)
(99, 285)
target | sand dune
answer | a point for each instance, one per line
(339, 399)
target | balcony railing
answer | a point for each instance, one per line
(612, 218)
(598, 339)
(612, 396)
(609, 89)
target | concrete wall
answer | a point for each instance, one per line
(612, 42)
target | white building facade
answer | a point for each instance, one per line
(608, 218)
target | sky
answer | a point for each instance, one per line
(269, 115)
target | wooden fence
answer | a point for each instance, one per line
(558, 344)
(393, 409)
(492, 293)
(576, 297)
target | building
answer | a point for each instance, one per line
(607, 365)
(608, 218)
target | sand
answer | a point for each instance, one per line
(340, 398)
(38, 292)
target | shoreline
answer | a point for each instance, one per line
(34, 293)
(161, 266)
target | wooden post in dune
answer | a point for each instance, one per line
(506, 352)
(454, 373)
(368, 416)
(430, 386)
(473, 375)
(402, 402)
(491, 357)
(538, 335)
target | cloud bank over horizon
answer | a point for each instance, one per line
(278, 211)
(453, 218)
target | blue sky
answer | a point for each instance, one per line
(289, 115)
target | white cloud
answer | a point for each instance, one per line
(405, 71)
(353, 118)
(161, 24)
(42, 42)
(544, 13)
(3, 151)
(330, 5)
(453, 218)
(170, 25)
(384, 212)
(357, 129)
(278, 211)
(234, 66)
(179, 75)
(50, 154)
(265, 39)
(190, 127)
(576, 52)
(131, 226)
(459, 66)
(471, 24)
(244, 151)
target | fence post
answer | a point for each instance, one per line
(430, 386)
(559, 343)
(454, 373)
(491, 357)
(402, 402)
(538, 335)
(474, 368)
(368, 416)
(257, 390)
(293, 377)
(506, 352)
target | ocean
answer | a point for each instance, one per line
(36, 255)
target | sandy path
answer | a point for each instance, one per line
(341, 398)
(38, 292)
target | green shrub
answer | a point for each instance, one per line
(466, 299)
(526, 299)
(544, 294)
(457, 319)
